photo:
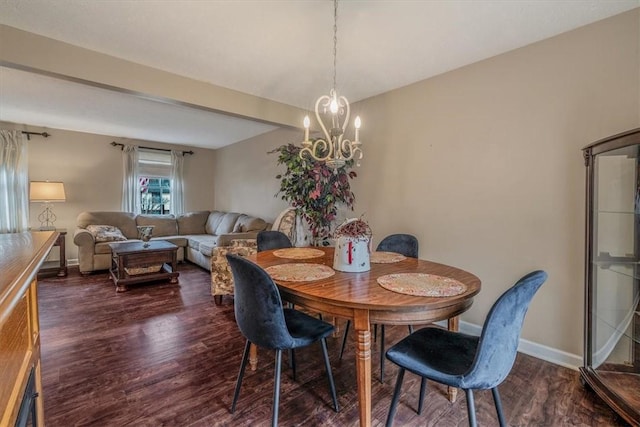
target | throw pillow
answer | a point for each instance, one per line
(105, 233)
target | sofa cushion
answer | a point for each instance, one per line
(194, 242)
(246, 223)
(227, 223)
(215, 217)
(163, 225)
(192, 222)
(125, 221)
(179, 241)
(105, 233)
(206, 243)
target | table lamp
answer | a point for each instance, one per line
(46, 192)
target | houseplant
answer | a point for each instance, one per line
(314, 189)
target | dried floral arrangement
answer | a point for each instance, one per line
(356, 228)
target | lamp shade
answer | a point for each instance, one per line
(46, 191)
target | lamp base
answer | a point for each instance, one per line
(47, 218)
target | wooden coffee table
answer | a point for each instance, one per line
(132, 263)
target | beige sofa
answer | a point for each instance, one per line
(196, 234)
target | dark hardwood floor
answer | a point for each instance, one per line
(165, 355)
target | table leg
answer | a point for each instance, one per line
(363, 364)
(174, 264)
(452, 325)
(253, 357)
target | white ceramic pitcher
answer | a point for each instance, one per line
(351, 254)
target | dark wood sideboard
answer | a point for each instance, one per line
(21, 255)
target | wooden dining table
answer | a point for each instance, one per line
(360, 298)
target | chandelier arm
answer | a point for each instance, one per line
(346, 148)
(347, 114)
(352, 148)
(318, 144)
(326, 99)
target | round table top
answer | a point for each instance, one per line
(362, 291)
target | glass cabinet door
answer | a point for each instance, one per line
(612, 338)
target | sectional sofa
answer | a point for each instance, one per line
(196, 234)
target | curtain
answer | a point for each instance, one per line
(14, 182)
(130, 184)
(177, 182)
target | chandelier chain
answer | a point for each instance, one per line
(335, 40)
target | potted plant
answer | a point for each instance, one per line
(314, 189)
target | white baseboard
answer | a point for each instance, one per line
(540, 351)
(72, 262)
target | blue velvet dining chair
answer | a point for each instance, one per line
(404, 244)
(264, 321)
(272, 239)
(465, 361)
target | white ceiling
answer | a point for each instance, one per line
(279, 50)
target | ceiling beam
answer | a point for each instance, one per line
(30, 52)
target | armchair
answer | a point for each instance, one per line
(221, 276)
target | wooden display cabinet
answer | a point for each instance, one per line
(612, 274)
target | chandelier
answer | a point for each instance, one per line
(332, 112)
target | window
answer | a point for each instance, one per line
(154, 182)
(155, 195)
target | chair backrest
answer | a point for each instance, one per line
(404, 244)
(272, 239)
(498, 343)
(257, 305)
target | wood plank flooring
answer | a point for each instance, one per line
(166, 355)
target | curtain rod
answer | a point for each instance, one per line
(42, 134)
(148, 148)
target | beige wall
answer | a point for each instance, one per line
(247, 175)
(484, 165)
(91, 170)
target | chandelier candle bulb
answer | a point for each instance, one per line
(356, 124)
(333, 107)
(306, 124)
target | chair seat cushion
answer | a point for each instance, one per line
(305, 329)
(436, 354)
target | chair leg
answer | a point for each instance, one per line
(496, 400)
(327, 366)
(381, 353)
(292, 354)
(471, 408)
(344, 338)
(243, 365)
(423, 389)
(276, 389)
(395, 398)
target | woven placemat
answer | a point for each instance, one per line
(303, 272)
(380, 257)
(298, 253)
(422, 284)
